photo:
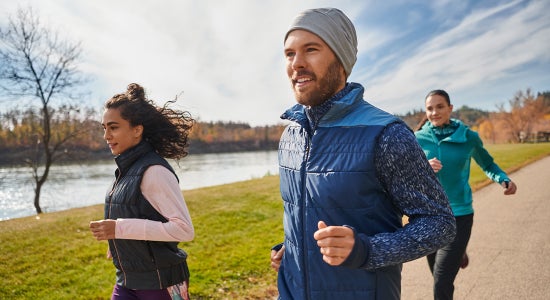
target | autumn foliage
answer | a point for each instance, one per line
(525, 118)
(20, 132)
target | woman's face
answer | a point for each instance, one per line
(438, 111)
(118, 132)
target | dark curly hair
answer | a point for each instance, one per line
(164, 128)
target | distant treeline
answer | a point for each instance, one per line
(217, 137)
(527, 116)
(20, 129)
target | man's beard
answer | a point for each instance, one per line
(328, 86)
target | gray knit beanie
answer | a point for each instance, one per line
(333, 27)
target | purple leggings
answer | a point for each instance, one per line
(122, 293)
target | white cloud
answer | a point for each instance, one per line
(226, 56)
(484, 48)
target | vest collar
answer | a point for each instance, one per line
(339, 105)
(125, 160)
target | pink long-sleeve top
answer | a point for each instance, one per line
(160, 187)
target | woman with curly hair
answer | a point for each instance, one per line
(145, 214)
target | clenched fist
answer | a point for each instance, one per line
(103, 229)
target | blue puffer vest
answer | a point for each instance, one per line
(329, 174)
(141, 264)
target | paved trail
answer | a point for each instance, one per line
(510, 245)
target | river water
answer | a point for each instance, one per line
(79, 185)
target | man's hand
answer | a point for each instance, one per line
(335, 242)
(103, 229)
(276, 257)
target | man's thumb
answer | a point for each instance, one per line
(321, 225)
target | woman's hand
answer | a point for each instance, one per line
(510, 187)
(435, 164)
(103, 229)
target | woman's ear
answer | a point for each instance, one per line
(138, 131)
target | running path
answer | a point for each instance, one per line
(510, 245)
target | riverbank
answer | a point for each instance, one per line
(18, 157)
(84, 184)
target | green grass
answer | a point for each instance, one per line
(56, 257)
(510, 158)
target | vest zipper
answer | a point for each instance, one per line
(111, 195)
(108, 217)
(155, 263)
(304, 225)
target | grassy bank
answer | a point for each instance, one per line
(55, 256)
(510, 157)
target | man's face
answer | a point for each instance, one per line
(314, 71)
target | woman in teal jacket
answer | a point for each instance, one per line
(449, 146)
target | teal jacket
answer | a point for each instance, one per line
(455, 153)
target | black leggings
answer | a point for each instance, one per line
(445, 262)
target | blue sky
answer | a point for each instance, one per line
(227, 56)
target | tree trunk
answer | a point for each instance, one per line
(37, 197)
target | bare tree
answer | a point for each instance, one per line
(39, 66)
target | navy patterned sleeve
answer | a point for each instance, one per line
(414, 189)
